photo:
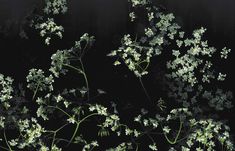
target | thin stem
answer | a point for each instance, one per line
(4, 148)
(4, 134)
(35, 92)
(145, 91)
(55, 107)
(93, 114)
(177, 135)
(81, 72)
(72, 67)
(85, 77)
(149, 136)
(78, 124)
(137, 147)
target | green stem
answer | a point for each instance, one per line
(4, 148)
(55, 107)
(9, 147)
(35, 92)
(78, 124)
(81, 72)
(145, 91)
(85, 77)
(137, 147)
(93, 114)
(177, 135)
(72, 67)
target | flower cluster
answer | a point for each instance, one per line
(219, 100)
(6, 90)
(206, 133)
(30, 131)
(90, 146)
(136, 54)
(136, 3)
(55, 7)
(58, 60)
(49, 28)
(37, 81)
(121, 147)
(136, 57)
(224, 53)
(63, 58)
(187, 66)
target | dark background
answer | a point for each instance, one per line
(108, 20)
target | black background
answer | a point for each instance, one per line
(108, 20)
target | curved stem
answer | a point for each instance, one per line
(78, 124)
(81, 71)
(93, 114)
(177, 135)
(55, 107)
(145, 91)
(9, 147)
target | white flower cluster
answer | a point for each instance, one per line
(193, 96)
(179, 113)
(219, 100)
(224, 53)
(37, 81)
(2, 122)
(148, 122)
(121, 147)
(63, 58)
(136, 57)
(44, 148)
(132, 16)
(49, 28)
(153, 147)
(30, 131)
(187, 66)
(136, 54)
(6, 90)
(90, 146)
(55, 148)
(55, 7)
(99, 109)
(41, 112)
(58, 60)
(136, 3)
(207, 132)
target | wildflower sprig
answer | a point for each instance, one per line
(62, 60)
